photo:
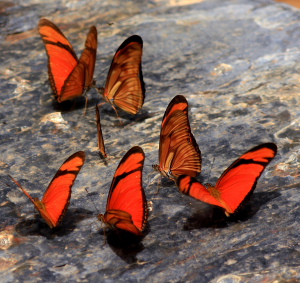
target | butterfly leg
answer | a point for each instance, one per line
(122, 124)
(86, 102)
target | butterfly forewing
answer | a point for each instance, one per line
(61, 57)
(88, 56)
(124, 85)
(57, 196)
(240, 179)
(126, 199)
(179, 102)
(178, 151)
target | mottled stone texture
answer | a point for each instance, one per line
(236, 62)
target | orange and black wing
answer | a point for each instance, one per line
(236, 183)
(126, 203)
(99, 133)
(69, 77)
(178, 102)
(125, 87)
(178, 150)
(190, 186)
(62, 58)
(57, 196)
(81, 78)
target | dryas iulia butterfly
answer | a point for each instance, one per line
(179, 153)
(125, 87)
(99, 133)
(69, 77)
(56, 199)
(236, 183)
(126, 206)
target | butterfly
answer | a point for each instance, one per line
(69, 77)
(236, 183)
(126, 206)
(56, 199)
(124, 86)
(179, 153)
(99, 132)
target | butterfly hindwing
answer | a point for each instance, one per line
(57, 196)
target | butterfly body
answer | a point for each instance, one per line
(236, 183)
(126, 207)
(56, 199)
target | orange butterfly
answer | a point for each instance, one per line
(99, 132)
(56, 199)
(126, 203)
(125, 87)
(69, 77)
(236, 183)
(179, 153)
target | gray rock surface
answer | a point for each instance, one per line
(236, 62)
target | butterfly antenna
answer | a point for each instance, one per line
(86, 103)
(97, 212)
(18, 184)
(92, 201)
(122, 124)
(210, 170)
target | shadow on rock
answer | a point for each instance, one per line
(76, 103)
(39, 227)
(207, 215)
(126, 118)
(125, 244)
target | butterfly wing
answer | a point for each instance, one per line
(81, 78)
(62, 58)
(178, 102)
(190, 186)
(99, 132)
(124, 85)
(239, 180)
(179, 153)
(57, 196)
(126, 203)
(236, 183)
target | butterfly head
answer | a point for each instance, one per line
(103, 219)
(164, 173)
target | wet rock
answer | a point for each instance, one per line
(236, 62)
